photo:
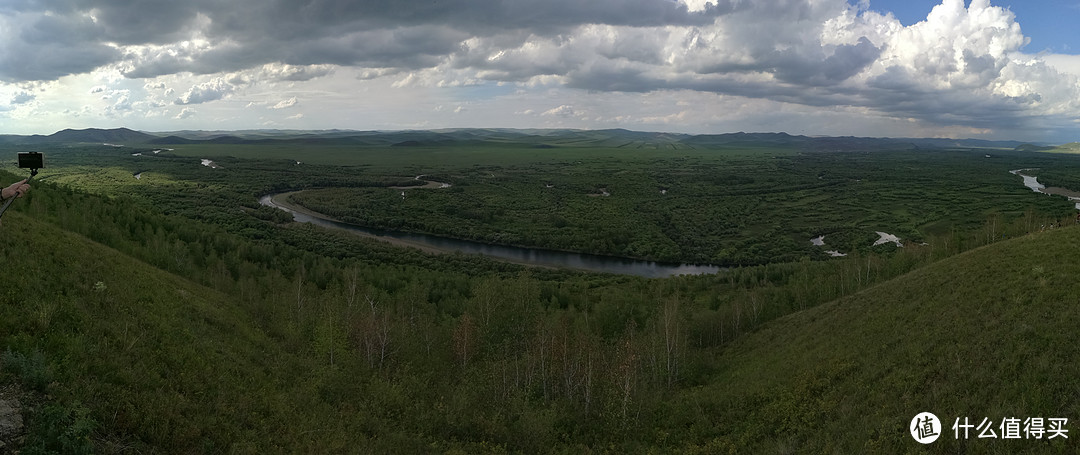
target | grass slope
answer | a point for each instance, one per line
(989, 333)
(1072, 147)
(162, 364)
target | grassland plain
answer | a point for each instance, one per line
(989, 333)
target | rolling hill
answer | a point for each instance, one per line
(119, 136)
(990, 333)
(115, 136)
(1072, 147)
(159, 361)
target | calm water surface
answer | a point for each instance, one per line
(530, 256)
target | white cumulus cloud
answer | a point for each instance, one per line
(562, 111)
(283, 104)
(212, 90)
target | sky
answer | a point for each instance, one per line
(899, 68)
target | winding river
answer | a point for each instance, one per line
(519, 255)
(1032, 182)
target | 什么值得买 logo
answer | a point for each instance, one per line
(925, 428)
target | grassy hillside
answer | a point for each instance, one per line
(989, 333)
(1072, 147)
(161, 363)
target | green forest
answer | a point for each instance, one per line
(173, 313)
(714, 207)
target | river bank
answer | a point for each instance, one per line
(281, 201)
(518, 255)
(1032, 182)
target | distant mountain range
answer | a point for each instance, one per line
(540, 138)
(113, 136)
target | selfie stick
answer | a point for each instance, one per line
(8, 202)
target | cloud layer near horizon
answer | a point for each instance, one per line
(962, 68)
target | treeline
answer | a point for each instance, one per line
(413, 352)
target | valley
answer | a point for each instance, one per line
(176, 310)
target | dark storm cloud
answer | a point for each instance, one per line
(50, 61)
(479, 17)
(409, 48)
(616, 77)
(896, 92)
(245, 33)
(49, 39)
(405, 47)
(50, 47)
(145, 65)
(806, 66)
(127, 21)
(846, 61)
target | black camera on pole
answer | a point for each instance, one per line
(32, 161)
(27, 160)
